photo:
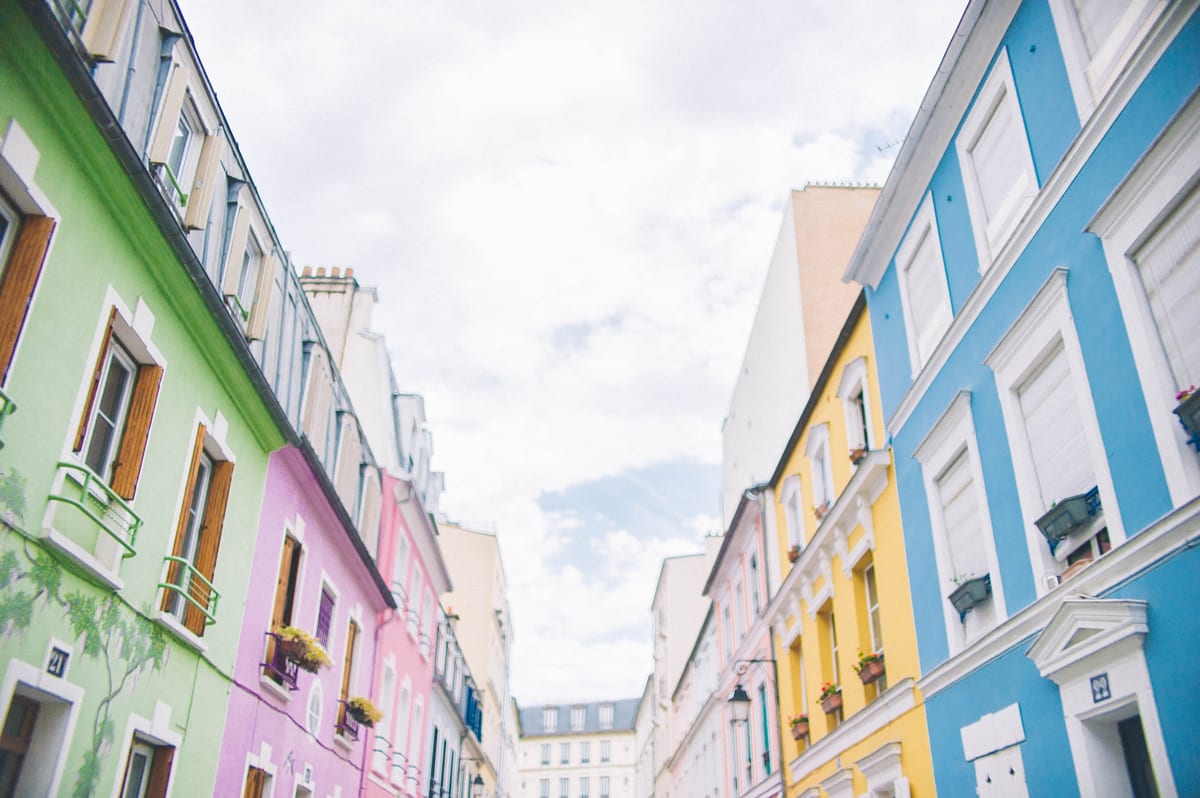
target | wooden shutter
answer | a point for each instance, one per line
(210, 541)
(160, 771)
(260, 310)
(168, 118)
(348, 664)
(20, 279)
(201, 195)
(181, 526)
(94, 386)
(256, 780)
(132, 451)
(283, 583)
(103, 25)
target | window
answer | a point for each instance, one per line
(347, 672)
(1097, 39)
(605, 750)
(564, 787)
(855, 402)
(545, 753)
(606, 716)
(190, 595)
(585, 752)
(119, 407)
(584, 786)
(755, 599)
(793, 515)
(400, 731)
(414, 608)
(765, 717)
(604, 787)
(550, 719)
(817, 450)
(417, 729)
(578, 717)
(544, 788)
(739, 609)
(249, 275)
(285, 603)
(16, 736)
(325, 617)
(726, 633)
(24, 242)
(1057, 450)
(383, 738)
(874, 625)
(147, 770)
(924, 292)
(997, 167)
(963, 544)
(312, 714)
(400, 569)
(564, 753)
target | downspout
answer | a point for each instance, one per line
(362, 774)
(760, 489)
(132, 70)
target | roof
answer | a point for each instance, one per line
(533, 718)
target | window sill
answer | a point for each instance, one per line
(343, 742)
(275, 689)
(93, 569)
(172, 625)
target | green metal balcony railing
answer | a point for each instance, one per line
(7, 408)
(188, 584)
(98, 503)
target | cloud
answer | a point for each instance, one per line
(568, 209)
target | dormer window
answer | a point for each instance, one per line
(550, 719)
(606, 716)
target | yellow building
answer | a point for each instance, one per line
(845, 594)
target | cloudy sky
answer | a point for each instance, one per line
(569, 209)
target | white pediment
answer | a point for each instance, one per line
(1088, 630)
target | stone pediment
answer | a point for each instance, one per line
(1084, 627)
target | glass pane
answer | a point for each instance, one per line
(110, 408)
(135, 774)
(179, 142)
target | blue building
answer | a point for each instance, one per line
(1033, 277)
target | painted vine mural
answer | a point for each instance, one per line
(123, 642)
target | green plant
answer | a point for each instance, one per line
(828, 689)
(363, 710)
(866, 659)
(796, 720)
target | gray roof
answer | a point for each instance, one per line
(624, 713)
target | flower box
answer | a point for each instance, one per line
(363, 710)
(301, 648)
(870, 671)
(856, 455)
(1068, 515)
(799, 730)
(831, 703)
(793, 553)
(1189, 416)
(821, 510)
(971, 592)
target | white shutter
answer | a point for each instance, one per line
(928, 297)
(1169, 266)
(1054, 429)
(1097, 20)
(960, 516)
(996, 156)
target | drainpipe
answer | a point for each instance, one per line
(132, 70)
(759, 490)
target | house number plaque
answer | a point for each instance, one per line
(57, 665)
(1100, 689)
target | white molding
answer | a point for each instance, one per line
(1045, 324)
(1158, 183)
(1083, 627)
(158, 731)
(924, 226)
(37, 680)
(855, 377)
(1065, 172)
(19, 159)
(897, 700)
(882, 767)
(1162, 539)
(993, 732)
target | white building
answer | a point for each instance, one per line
(583, 750)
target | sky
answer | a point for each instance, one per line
(568, 209)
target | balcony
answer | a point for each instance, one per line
(187, 589)
(347, 726)
(280, 667)
(101, 528)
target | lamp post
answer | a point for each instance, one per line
(739, 705)
(477, 786)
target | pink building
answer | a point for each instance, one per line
(409, 554)
(288, 732)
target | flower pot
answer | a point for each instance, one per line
(359, 715)
(856, 455)
(831, 703)
(870, 671)
(793, 553)
(821, 510)
(970, 593)
(799, 730)
(1068, 515)
(1189, 416)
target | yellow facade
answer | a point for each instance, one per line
(845, 590)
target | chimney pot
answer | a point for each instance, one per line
(336, 271)
(349, 273)
(307, 272)
(320, 271)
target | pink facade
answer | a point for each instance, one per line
(310, 566)
(409, 557)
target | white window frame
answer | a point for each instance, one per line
(793, 510)
(606, 716)
(48, 762)
(821, 465)
(545, 755)
(924, 225)
(950, 435)
(858, 422)
(992, 233)
(1092, 77)
(1045, 324)
(1147, 196)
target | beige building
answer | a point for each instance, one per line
(484, 631)
(580, 750)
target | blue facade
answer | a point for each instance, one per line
(1082, 167)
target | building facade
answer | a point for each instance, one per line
(1032, 286)
(585, 750)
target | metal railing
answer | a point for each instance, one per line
(347, 726)
(279, 666)
(192, 587)
(97, 501)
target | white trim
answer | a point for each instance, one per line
(35, 680)
(997, 94)
(19, 159)
(262, 761)
(951, 435)
(157, 731)
(993, 732)
(923, 227)
(793, 510)
(854, 377)
(1147, 195)
(1068, 168)
(1044, 324)
(818, 443)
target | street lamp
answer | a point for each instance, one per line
(477, 786)
(739, 705)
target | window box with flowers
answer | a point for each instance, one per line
(1188, 411)
(830, 698)
(799, 725)
(857, 454)
(363, 710)
(869, 667)
(298, 646)
(794, 553)
(821, 510)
